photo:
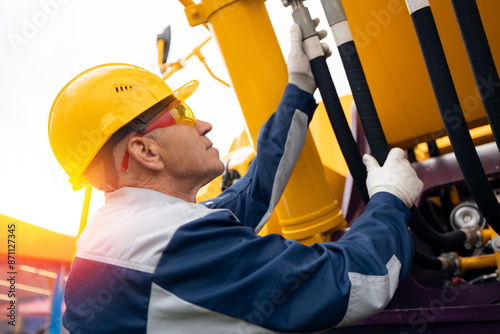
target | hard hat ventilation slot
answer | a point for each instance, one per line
(123, 88)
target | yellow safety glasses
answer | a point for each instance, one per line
(177, 112)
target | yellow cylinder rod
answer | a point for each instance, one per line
(477, 262)
(246, 37)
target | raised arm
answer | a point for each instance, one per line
(279, 143)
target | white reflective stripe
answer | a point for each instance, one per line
(293, 147)
(341, 32)
(312, 47)
(414, 5)
(168, 313)
(370, 294)
(132, 229)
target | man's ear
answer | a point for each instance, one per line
(146, 152)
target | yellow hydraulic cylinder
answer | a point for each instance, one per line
(309, 210)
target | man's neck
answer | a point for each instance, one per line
(175, 188)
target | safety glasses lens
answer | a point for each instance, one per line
(182, 113)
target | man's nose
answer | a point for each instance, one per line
(203, 127)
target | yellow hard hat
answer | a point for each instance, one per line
(96, 104)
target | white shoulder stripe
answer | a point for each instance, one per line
(293, 147)
(134, 237)
(370, 294)
(169, 313)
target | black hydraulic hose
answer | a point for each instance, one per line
(380, 148)
(330, 97)
(425, 261)
(452, 115)
(339, 124)
(370, 121)
(364, 102)
(417, 224)
(350, 150)
(351, 153)
(372, 128)
(347, 142)
(481, 60)
(427, 234)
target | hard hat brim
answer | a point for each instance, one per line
(183, 92)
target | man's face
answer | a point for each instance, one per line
(188, 154)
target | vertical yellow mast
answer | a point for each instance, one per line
(308, 210)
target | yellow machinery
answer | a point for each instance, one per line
(37, 262)
(394, 68)
(389, 50)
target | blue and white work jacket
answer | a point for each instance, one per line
(151, 263)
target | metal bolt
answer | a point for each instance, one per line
(495, 243)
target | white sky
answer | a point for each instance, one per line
(45, 43)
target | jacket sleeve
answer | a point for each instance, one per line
(283, 285)
(279, 144)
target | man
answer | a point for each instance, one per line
(153, 261)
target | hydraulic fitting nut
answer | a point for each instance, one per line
(450, 262)
(495, 243)
(474, 238)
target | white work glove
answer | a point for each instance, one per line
(299, 69)
(396, 176)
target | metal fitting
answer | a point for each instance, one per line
(287, 3)
(465, 215)
(334, 11)
(495, 243)
(302, 17)
(450, 263)
(474, 238)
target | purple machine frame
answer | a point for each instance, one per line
(427, 301)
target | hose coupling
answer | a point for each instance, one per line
(450, 263)
(474, 237)
(302, 17)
